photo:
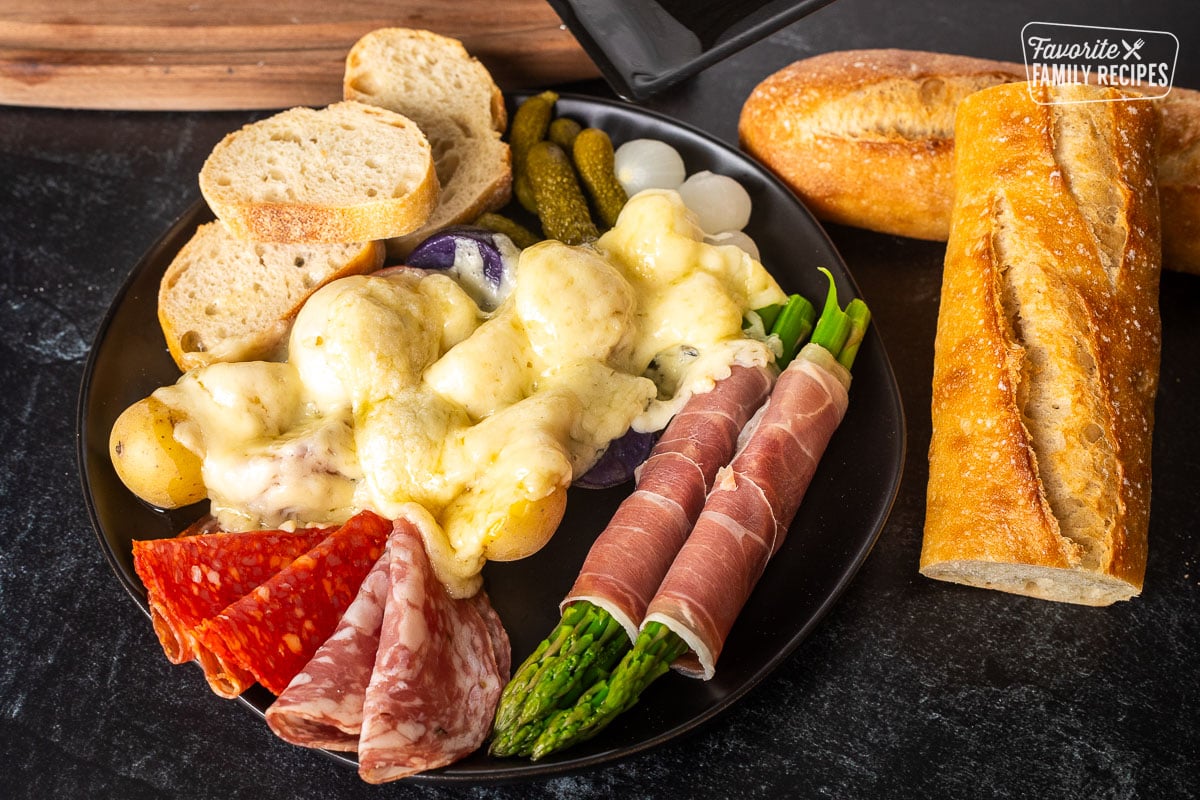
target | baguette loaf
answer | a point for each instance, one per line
(349, 172)
(222, 299)
(435, 82)
(1047, 348)
(866, 138)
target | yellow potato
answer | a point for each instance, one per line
(526, 527)
(481, 525)
(148, 459)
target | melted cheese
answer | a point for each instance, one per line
(402, 395)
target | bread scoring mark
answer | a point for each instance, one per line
(1065, 418)
(1084, 152)
(897, 108)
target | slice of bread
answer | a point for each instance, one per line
(349, 172)
(433, 81)
(223, 299)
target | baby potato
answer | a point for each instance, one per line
(480, 524)
(148, 459)
(526, 527)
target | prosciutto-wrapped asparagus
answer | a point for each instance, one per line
(744, 521)
(656, 518)
(746, 517)
(602, 611)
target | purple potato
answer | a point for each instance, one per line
(440, 251)
(618, 462)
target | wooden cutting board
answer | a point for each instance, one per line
(249, 54)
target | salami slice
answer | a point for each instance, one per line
(273, 631)
(436, 681)
(746, 517)
(629, 558)
(191, 578)
(323, 704)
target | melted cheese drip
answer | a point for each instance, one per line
(401, 395)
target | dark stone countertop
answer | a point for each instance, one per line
(908, 688)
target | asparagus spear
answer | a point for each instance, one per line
(580, 651)
(656, 647)
(792, 326)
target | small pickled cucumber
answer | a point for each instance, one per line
(560, 203)
(593, 152)
(529, 126)
(563, 131)
(521, 236)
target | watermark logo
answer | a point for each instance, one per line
(1124, 58)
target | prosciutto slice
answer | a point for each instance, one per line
(437, 674)
(629, 558)
(746, 517)
(323, 705)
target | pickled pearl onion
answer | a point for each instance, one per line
(719, 202)
(648, 164)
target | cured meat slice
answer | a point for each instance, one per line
(629, 558)
(273, 631)
(323, 704)
(191, 578)
(746, 517)
(437, 679)
(501, 648)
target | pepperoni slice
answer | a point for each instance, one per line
(191, 578)
(273, 631)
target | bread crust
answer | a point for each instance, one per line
(1047, 349)
(433, 80)
(865, 138)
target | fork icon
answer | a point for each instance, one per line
(1132, 50)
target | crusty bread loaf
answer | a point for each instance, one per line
(349, 172)
(435, 82)
(1047, 348)
(866, 138)
(223, 299)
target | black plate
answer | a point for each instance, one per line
(836, 527)
(645, 46)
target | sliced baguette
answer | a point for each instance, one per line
(433, 81)
(1047, 350)
(222, 299)
(349, 172)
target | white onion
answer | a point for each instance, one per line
(648, 164)
(719, 202)
(737, 239)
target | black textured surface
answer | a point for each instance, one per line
(909, 688)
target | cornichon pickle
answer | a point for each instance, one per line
(529, 126)
(521, 236)
(563, 131)
(593, 153)
(560, 203)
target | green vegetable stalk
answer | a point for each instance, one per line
(792, 325)
(656, 647)
(580, 651)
